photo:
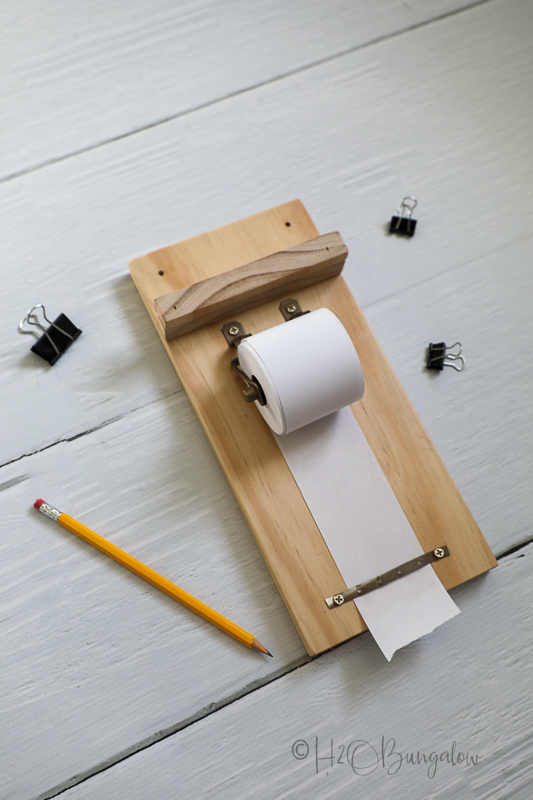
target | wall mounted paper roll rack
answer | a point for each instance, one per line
(246, 268)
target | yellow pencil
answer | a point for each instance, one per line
(151, 576)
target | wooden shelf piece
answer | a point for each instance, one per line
(271, 502)
(228, 293)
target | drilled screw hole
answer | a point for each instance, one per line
(160, 272)
(288, 224)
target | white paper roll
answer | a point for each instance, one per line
(307, 367)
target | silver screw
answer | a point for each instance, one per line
(233, 331)
(439, 552)
(338, 599)
(290, 309)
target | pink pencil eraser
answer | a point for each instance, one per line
(38, 504)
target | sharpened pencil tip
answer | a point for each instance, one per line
(256, 645)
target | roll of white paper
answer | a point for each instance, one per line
(307, 367)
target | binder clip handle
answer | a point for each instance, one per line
(32, 319)
(406, 207)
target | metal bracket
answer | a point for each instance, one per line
(253, 391)
(290, 309)
(391, 575)
(234, 333)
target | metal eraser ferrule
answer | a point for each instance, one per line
(49, 511)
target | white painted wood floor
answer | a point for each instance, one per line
(126, 127)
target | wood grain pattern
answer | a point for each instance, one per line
(271, 502)
(244, 287)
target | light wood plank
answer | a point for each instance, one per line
(493, 463)
(76, 76)
(228, 293)
(470, 688)
(271, 502)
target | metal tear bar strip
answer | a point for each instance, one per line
(391, 575)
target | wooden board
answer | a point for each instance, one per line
(271, 502)
(253, 284)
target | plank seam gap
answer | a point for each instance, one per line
(156, 738)
(98, 427)
(515, 548)
(67, 439)
(239, 92)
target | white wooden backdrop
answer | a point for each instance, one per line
(125, 127)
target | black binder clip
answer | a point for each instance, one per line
(403, 223)
(440, 356)
(54, 340)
